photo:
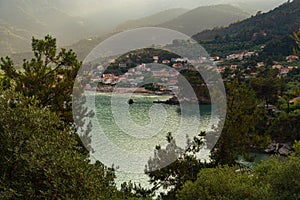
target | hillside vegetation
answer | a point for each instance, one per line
(273, 29)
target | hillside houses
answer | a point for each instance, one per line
(230, 67)
(292, 58)
(285, 71)
(109, 79)
(241, 55)
(137, 75)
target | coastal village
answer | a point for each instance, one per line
(166, 78)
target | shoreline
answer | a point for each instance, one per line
(109, 89)
(172, 99)
(125, 90)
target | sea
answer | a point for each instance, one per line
(124, 136)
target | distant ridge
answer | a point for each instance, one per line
(206, 17)
(152, 20)
(195, 16)
(22, 19)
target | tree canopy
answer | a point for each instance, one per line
(272, 179)
(38, 156)
(49, 76)
(239, 131)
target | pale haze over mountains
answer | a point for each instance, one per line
(70, 21)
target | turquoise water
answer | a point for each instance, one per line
(125, 135)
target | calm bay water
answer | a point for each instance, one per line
(124, 132)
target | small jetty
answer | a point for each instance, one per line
(175, 101)
(171, 101)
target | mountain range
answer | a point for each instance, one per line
(190, 22)
(205, 17)
(22, 19)
(152, 20)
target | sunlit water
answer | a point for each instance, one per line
(164, 119)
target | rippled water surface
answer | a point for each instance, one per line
(126, 135)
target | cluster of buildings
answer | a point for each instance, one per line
(241, 55)
(144, 74)
(167, 76)
(251, 70)
(283, 70)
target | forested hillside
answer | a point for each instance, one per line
(272, 29)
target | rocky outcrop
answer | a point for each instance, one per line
(174, 101)
(283, 149)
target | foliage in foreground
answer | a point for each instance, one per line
(272, 179)
(222, 183)
(185, 167)
(38, 159)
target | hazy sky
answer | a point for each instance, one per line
(144, 7)
(109, 13)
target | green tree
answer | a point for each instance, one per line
(274, 178)
(267, 86)
(38, 159)
(293, 75)
(171, 176)
(282, 176)
(239, 131)
(285, 128)
(296, 37)
(5, 83)
(223, 183)
(49, 76)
